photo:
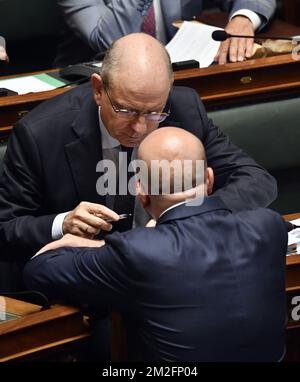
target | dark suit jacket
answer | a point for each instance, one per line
(204, 285)
(50, 165)
(90, 30)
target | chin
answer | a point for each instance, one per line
(131, 142)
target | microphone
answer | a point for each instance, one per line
(221, 35)
(290, 226)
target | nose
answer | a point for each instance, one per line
(139, 125)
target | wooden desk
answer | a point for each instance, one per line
(36, 334)
(238, 83)
(13, 108)
(249, 81)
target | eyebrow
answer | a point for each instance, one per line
(156, 110)
(129, 108)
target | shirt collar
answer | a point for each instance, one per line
(170, 208)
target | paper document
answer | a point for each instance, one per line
(193, 41)
(294, 239)
(294, 235)
(31, 84)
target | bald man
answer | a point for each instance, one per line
(51, 182)
(194, 288)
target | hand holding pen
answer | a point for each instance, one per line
(88, 219)
(121, 217)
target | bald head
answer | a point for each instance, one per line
(138, 58)
(183, 156)
(176, 168)
(171, 143)
(179, 150)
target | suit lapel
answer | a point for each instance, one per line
(179, 10)
(171, 10)
(85, 152)
(190, 9)
(171, 120)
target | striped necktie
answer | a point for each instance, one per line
(124, 204)
(148, 25)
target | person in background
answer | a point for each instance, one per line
(3, 53)
(90, 27)
(202, 285)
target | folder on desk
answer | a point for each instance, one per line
(31, 84)
(294, 240)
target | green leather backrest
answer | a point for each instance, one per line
(269, 132)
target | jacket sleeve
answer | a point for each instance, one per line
(264, 8)
(23, 226)
(239, 181)
(93, 276)
(98, 22)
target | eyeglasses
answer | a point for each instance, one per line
(130, 114)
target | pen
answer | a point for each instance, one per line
(121, 217)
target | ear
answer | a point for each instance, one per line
(143, 198)
(210, 178)
(98, 88)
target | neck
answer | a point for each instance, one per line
(159, 205)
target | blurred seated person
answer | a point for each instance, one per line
(91, 26)
(3, 54)
(202, 285)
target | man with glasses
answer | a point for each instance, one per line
(50, 184)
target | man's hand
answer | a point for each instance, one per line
(87, 219)
(237, 48)
(70, 241)
(3, 54)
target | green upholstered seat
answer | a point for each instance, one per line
(270, 133)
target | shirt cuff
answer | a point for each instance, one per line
(252, 16)
(57, 225)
